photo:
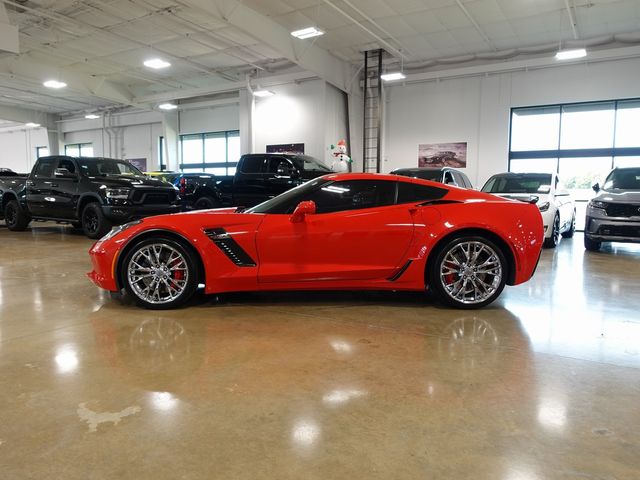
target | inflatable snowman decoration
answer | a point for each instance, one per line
(341, 160)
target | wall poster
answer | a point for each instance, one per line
(139, 163)
(442, 155)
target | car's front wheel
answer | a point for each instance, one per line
(572, 229)
(591, 245)
(15, 217)
(468, 272)
(159, 273)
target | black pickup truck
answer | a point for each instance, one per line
(90, 193)
(258, 177)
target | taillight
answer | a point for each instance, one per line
(183, 185)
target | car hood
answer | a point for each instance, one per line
(535, 198)
(134, 182)
(619, 196)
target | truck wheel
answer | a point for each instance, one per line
(205, 203)
(159, 273)
(15, 217)
(94, 224)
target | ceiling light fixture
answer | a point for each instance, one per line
(92, 116)
(263, 93)
(54, 84)
(390, 77)
(571, 54)
(156, 63)
(31, 125)
(167, 106)
(309, 32)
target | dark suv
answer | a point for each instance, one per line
(614, 214)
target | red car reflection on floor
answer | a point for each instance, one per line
(339, 231)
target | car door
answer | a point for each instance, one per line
(357, 233)
(280, 175)
(248, 184)
(38, 187)
(64, 189)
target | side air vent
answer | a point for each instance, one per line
(230, 247)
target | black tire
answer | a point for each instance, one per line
(205, 203)
(15, 217)
(165, 274)
(591, 245)
(569, 233)
(443, 284)
(554, 239)
(94, 224)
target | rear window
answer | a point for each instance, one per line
(411, 192)
(518, 184)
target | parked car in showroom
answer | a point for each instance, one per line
(614, 214)
(446, 175)
(339, 231)
(90, 193)
(547, 192)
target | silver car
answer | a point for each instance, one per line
(614, 214)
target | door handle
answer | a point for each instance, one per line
(30, 183)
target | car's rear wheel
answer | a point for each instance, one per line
(159, 273)
(591, 245)
(572, 229)
(468, 272)
(94, 223)
(15, 217)
(205, 203)
(554, 239)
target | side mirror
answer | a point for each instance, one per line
(596, 187)
(64, 173)
(302, 210)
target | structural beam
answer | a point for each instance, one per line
(9, 39)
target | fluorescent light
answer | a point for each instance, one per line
(307, 33)
(571, 54)
(390, 77)
(54, 84)
(31, 125)
(156, 63)
(91, 116)
(263, 93)
(167, 106)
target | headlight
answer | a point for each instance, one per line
(117, 193)
(119, 229)
(544, 206)
(597, 204)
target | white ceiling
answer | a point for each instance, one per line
(104, 42)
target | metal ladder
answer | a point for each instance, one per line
(371, 155)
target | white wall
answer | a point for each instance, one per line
(210, 119)
(476, 109)
(18, 148)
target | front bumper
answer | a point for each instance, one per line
(607, 229)
(127, 213)
(103, 259)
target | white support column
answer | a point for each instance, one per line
(171, 132)
(247, 113)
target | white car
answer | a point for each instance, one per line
(547, 192)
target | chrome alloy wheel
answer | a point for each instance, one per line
(471, 272)
(158, 273)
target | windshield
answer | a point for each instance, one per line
(526, 183)
(103, 167)
(310, 163)
(623, 179)
(433, 175)
(273, 204)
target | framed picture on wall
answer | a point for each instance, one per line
(442, 155)
(295, 148)
(139, 163)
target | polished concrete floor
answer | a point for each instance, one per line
(544, 384)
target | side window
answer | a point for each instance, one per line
(68, 164)
(44, 168)
(459, 179)
(352, 195)
(411, 193)
(448, 179)
(252, 164)
(280, 166)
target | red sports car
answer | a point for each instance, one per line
(340, 231)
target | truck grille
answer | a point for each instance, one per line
(623, 210)
(154, 197)
(631, 231)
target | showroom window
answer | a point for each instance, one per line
(213, 152)
(42, 152)
(581, 142)
(79, 149)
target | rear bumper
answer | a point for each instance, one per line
(612, 230)
(126, 213)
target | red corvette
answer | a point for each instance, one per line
(340, 231)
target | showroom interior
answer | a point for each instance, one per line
(339, 382)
